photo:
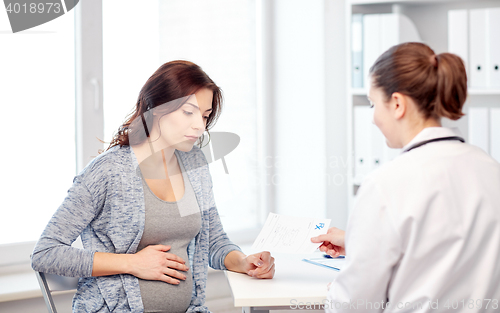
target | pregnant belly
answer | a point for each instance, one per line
(158, 296)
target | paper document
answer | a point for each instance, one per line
(288, 234)
(334, 264)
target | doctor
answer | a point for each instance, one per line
(424, 235)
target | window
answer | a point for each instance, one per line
(219, 36)
(38, 109)
(131, 54)
(138, 39)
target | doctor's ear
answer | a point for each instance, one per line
(399, 104)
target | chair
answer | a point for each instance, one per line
(51, 282)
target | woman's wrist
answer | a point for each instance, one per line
(127, 263)
(235, 261)
(105, 264)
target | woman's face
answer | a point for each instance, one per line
(383, 117)
(182, 128)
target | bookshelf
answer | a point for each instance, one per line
(431, 20)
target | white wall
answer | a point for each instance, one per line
(309, 109)
(336, 112)
(299, 108)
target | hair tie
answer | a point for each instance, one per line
(434, 61)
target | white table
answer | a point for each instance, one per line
(296, 283)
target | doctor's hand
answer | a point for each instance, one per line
(333, 242)
(258, 265)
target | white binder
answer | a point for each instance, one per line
(371, 43)
(381, 32)
(407, 31)
(357, 50)
(478, 48)
(377, 139)
(363, 117)
(478, 128)
(389, 31)
(494, 51)
(495, 133)
(381, 153)
(458, 34)
(370, 147)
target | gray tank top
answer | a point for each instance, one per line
(167, 223)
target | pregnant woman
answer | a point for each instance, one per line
(145, 210)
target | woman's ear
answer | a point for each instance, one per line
(399, 105)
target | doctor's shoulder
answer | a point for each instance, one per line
(481, 155)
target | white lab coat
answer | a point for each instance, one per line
(425, 231)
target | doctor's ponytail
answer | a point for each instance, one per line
(437, 83)
(451, 87)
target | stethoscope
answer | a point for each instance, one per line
(434, 140)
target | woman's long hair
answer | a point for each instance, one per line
(169, 86)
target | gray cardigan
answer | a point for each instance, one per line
(105, 205)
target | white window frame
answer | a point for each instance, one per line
(89, 114)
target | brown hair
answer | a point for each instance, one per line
(172, 82)
(437, 83)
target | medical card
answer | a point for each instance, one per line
(289, 234)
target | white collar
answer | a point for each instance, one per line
(430, 133)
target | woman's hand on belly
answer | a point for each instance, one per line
(153, 263)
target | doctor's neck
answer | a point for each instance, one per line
(413, 127)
